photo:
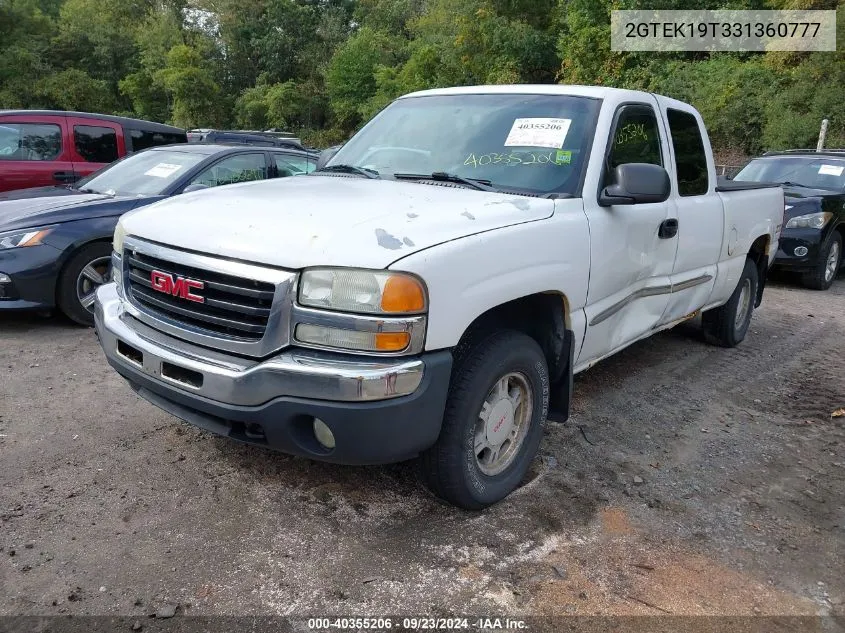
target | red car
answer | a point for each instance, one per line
(41, 148)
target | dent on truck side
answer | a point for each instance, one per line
(469, 276)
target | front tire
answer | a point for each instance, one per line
(496, 409)
(822, 276)
(727, 325)
(86, 270)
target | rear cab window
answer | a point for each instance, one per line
(30, 141)
(95, 144)
(690, 158)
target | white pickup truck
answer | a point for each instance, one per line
(432, 288)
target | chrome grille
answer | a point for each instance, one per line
(234, 307)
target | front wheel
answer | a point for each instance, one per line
(88, 269)
(727, 325)
(822, 276)
(497, 407)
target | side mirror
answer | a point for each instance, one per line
(326, 155)
(194, 187)
(637, 183)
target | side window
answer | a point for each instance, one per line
(30, 141)
(290, 165)
(690, 158)
(95, 144)
(142, 139)
(636, 139)
(239, 168)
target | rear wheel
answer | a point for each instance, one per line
(88, 269)
(727, 325)
(822, 276)
(497, 406)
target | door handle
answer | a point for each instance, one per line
(668, 228)
(65, 176)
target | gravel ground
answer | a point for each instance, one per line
(689, 480)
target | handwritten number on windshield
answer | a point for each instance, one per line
(555, 157)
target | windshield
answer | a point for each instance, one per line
(147, 173)
(530, 143)
(824, 172)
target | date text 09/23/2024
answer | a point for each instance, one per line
(416, 624)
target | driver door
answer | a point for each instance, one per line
(630, 264)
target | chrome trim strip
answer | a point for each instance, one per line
(244, 382)
(648, 292)
(277, 333)
(415, 325)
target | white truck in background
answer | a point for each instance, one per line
(432, 288)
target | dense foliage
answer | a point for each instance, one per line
(322, 67)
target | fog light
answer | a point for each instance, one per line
(5, 279)
(800, 251)
(323, 433)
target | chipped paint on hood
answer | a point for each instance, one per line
(305, 221)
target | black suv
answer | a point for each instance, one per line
(814, 220)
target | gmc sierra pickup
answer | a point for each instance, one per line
(432, 288)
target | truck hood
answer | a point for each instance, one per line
(30, 212)
(328, 221)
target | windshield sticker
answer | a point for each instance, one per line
(831, 170)
(559, 157)
(538, 133)
(563, 157)
(163, 170)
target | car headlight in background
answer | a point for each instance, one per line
(27, 237)
(810, 221)
(362, 291)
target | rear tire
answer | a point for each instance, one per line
(727, 325)
(822, 276)
(85, 271)
(496, 409)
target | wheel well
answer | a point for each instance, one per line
(759, 254)
(543, 316)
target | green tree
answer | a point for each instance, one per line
(190, 83)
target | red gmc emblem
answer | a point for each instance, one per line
(176, 286)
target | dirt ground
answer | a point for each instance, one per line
(690, 480)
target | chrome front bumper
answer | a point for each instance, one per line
(238, 381)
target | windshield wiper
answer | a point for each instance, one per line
(352, 169)
(789, 183)
(475, 183)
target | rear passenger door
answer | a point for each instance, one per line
(34, 152)
(95, 144)
(699, 211)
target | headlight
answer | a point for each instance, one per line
(28, 237)
(362, 291)
(117, 241)
(811, 220)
